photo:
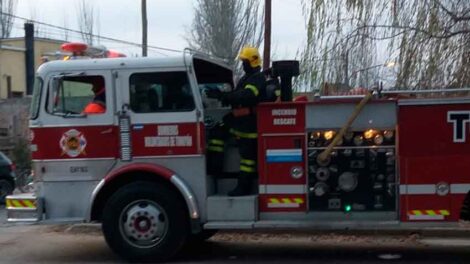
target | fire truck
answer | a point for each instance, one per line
(374, 161)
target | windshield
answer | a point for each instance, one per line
(34, 110)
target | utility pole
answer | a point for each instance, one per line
(267, 34)
(29, 56)
(144, 28)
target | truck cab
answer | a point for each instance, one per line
(140, 166)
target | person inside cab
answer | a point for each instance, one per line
(241, 121)
(98, 104)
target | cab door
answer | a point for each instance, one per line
(164, 115)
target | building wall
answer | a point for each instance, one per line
(14, 116)
(12, 64)
(12, 61)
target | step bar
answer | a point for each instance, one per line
(24, 208)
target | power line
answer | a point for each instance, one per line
(92, 35)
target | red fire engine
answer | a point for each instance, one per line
(335, 162)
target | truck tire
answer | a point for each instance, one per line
(6, 188)
(145, 221)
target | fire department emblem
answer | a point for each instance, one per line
(73, 143)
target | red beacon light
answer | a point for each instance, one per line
(76, 48)
(82, 51)
(114, 54)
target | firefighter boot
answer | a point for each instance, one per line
(243, 187)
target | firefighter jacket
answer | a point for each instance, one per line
(250, 90)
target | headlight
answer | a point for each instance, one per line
(328, 135)
(358, 140)
(378, 139)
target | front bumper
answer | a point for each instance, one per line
(24, 208)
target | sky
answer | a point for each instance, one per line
(169, 22)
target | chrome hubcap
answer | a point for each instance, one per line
(143, 223)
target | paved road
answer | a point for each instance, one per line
(44, 244)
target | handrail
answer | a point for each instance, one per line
(451, 90)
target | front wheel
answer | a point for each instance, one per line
(145, 221)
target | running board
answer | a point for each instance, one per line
(335, 226)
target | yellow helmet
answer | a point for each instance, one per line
(252, 55)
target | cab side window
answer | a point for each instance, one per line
(78, 95)
(160, 92)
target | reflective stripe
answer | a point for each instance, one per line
(459, 188)
(20, 203)
(444, 212)
(247, 162)
(16, 203)
(215, 149)
(282, 188)
(247, 169)
(285, 202)
(426, 217)
(416, 189)
(416, 212)
(243, 134)
(252, 88)
(216, 142)
(274, 200)
(430, 212)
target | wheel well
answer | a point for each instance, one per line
(110, 188)
(465, 210)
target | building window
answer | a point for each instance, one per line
(160, 92)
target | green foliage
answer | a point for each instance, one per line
(22, 154)
(429, 41)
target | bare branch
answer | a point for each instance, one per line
(221, 28)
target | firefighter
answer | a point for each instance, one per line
(241, 121)
(98, 104)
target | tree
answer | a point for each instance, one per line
(86, 20)
(222, 28)
(7, 10)
(428, 39)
